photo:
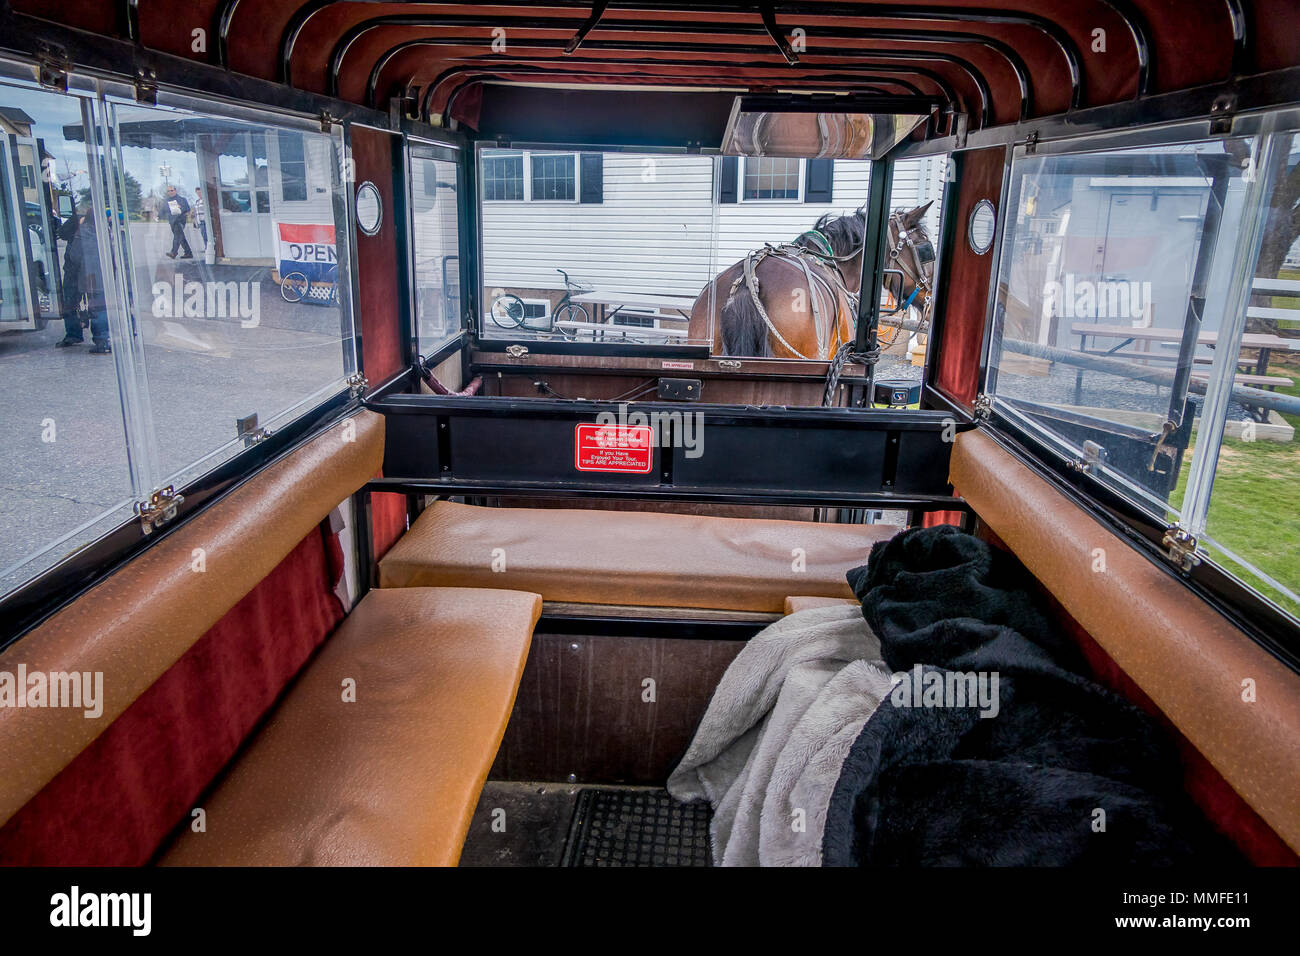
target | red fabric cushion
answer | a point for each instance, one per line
(118, 801)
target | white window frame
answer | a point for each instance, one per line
(528, 179)
(740, 185)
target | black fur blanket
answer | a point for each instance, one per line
(1058, 770)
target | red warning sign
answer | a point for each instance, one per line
(620, 448)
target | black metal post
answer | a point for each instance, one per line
(874, 250)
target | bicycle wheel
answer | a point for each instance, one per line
(507, 311)
(569, 313)
(294, 287)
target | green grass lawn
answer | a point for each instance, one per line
(1255, 507)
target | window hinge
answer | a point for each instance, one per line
(53, 64)
(983, 407)
(327, 121)
(516, 351)
(1181, 547)
(159, 509)
(146, 86)
(357, 384)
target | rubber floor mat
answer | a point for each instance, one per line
(635, 827)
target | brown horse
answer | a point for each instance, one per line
(807, 289)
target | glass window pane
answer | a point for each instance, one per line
(243, 312)
(916, 196)
(436, 250)
(67, 475)
(771, 178)
(643, 236)
(553, 177)
(1252, 525)
(1113, 273)
(503, 176)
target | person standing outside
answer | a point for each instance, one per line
(200, 219)
(178, 209)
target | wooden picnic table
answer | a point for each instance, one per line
(681, 304)
(1266, 343)
(599, 330)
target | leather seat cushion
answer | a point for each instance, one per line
(626, 557)
(392, 778)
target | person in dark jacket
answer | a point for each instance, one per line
(83, 287)
(178, 209)
(70, 232)
(92, 286)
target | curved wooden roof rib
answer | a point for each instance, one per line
(574, 26)
(745, 41)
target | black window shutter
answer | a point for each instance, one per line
(593, 178)
(819, 180)
(727, 186)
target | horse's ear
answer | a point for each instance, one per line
(914, 217)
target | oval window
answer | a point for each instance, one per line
(980, 230)
(370, 208)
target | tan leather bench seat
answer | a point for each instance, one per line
(804, 602)
(393, 778)
(628, 557)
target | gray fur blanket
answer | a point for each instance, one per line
(770, 747)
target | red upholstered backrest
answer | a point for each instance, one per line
(117, 802)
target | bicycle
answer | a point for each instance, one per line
(295, 287)
(508, 311)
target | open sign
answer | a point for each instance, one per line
(307, 248)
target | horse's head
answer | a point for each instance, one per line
(912, 252)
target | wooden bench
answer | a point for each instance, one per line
(630, 558)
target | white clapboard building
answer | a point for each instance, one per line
(639, 225)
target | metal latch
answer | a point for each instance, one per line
(248, 429)
(327, 121)
(1093, 460)
(357, 384)
(159, 509)
(1031, 143)
(516, 351)
(983, 406)
(728, 364)
(1181, 547)
(146, 86)
(52, 66)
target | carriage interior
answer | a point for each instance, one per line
(831, 277)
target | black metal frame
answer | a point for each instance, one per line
(447, 445)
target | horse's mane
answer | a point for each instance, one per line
(846, 234)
